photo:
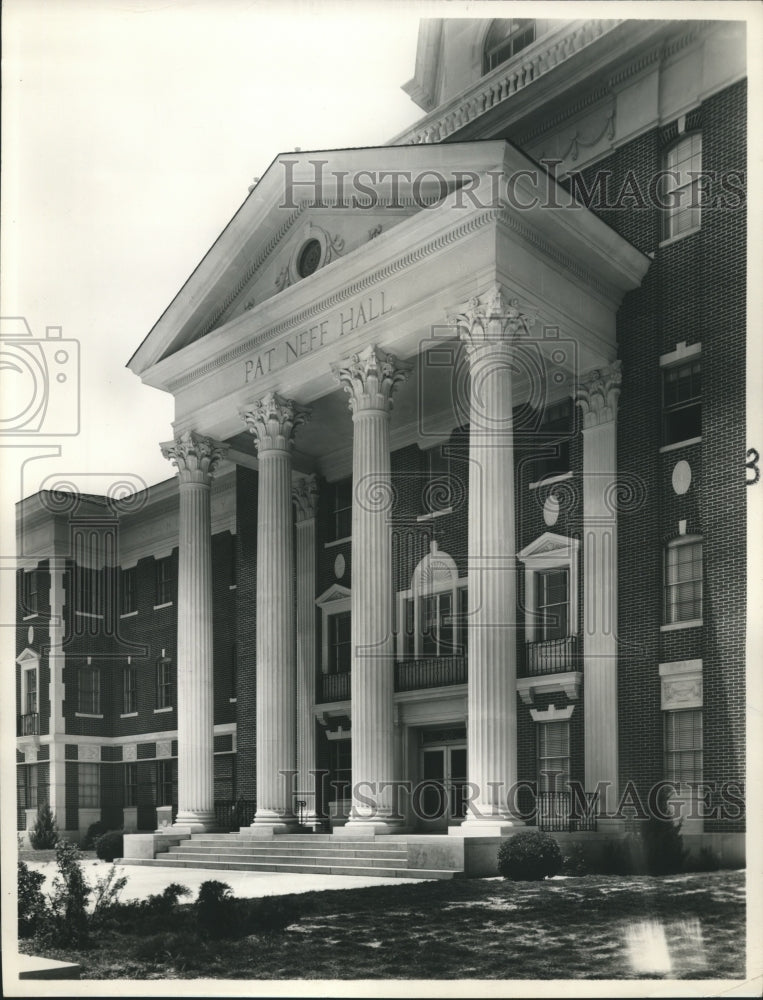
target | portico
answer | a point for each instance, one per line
(426, 311)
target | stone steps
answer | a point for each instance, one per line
(305, 854)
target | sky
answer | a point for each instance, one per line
(132, 130)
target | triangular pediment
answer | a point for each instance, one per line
(26, 656)
(344, 200)
(547, 543)
(335, 594)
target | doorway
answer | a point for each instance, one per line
(440, 799)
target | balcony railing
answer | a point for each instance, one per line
(233, 814)
(554, 812)
(553, 656)
(440, 671)
(335, 687)
(28, 725)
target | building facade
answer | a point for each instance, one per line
(457, 537)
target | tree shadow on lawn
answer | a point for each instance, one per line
(571, 928)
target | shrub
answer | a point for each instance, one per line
(65, 922)
(528, 857)
(269, 914)
(107, 891)
(44, 834)
(31, 902)
(576, 861)
(216, 910)
(706, 861)
(110, 845)
(94, 831)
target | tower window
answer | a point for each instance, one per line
(505, 39)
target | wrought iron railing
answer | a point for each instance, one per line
(28, 725)
(233, 814)
(335, 687)
(556, 812)
(552, 656)
(439, 671)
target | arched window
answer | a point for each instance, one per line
(507, 37)
(433, 611)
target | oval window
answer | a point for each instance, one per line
(309, 258)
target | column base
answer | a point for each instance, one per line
(268, 823)
(487, 826)
(191, 822)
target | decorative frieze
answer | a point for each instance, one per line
(681, 684)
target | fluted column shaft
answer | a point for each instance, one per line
(597, 397)
(488, 328)
(195, 458)
(272, 422)
(305, 503)
(370, 378)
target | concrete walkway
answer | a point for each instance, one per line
(142, 881)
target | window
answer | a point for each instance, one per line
(682, 402)
(166, 783)
(28, 790)
(340, 769)
(553, 756)
(30, 595)
(164, 580)
(89, 690)
(30, 691)
(89, 783)
(683, 581)
(682, 190)
(129, 690)
(437, 495)
(683, 745)
(127, 595)
(558, 419)
(340, 646)
(341, 514)
(130, 787)
(505, 39)
(437, 624)
(163, 684)
(552, 602)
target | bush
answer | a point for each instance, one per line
(94, 831)
(107, 892)
(706, 861)
(31, 902)
(65, 921)
(576, 862)
(269, 914)
(44, 834)
(216, 910)
(664, 852)
(110, 845)
(528, 857)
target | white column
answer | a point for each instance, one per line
(196, 458)
(487, 327)
(597, 397)
(305, 494)
(272, 420)
(370, 379)
(56, 692)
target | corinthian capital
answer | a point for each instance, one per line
(195, 457)
(305, 496)
(272, 420)
(490, 320)
(370, 378)
(597, 394)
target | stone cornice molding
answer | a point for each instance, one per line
(196, 457)
(272, 421)
(370, 379)
(305, 496)
(597, 394)
(491, 321)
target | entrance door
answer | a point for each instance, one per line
(440, 798)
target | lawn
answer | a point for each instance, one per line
(592, 927)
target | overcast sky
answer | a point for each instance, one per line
(132, 129)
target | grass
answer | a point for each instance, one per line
(592, 927)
